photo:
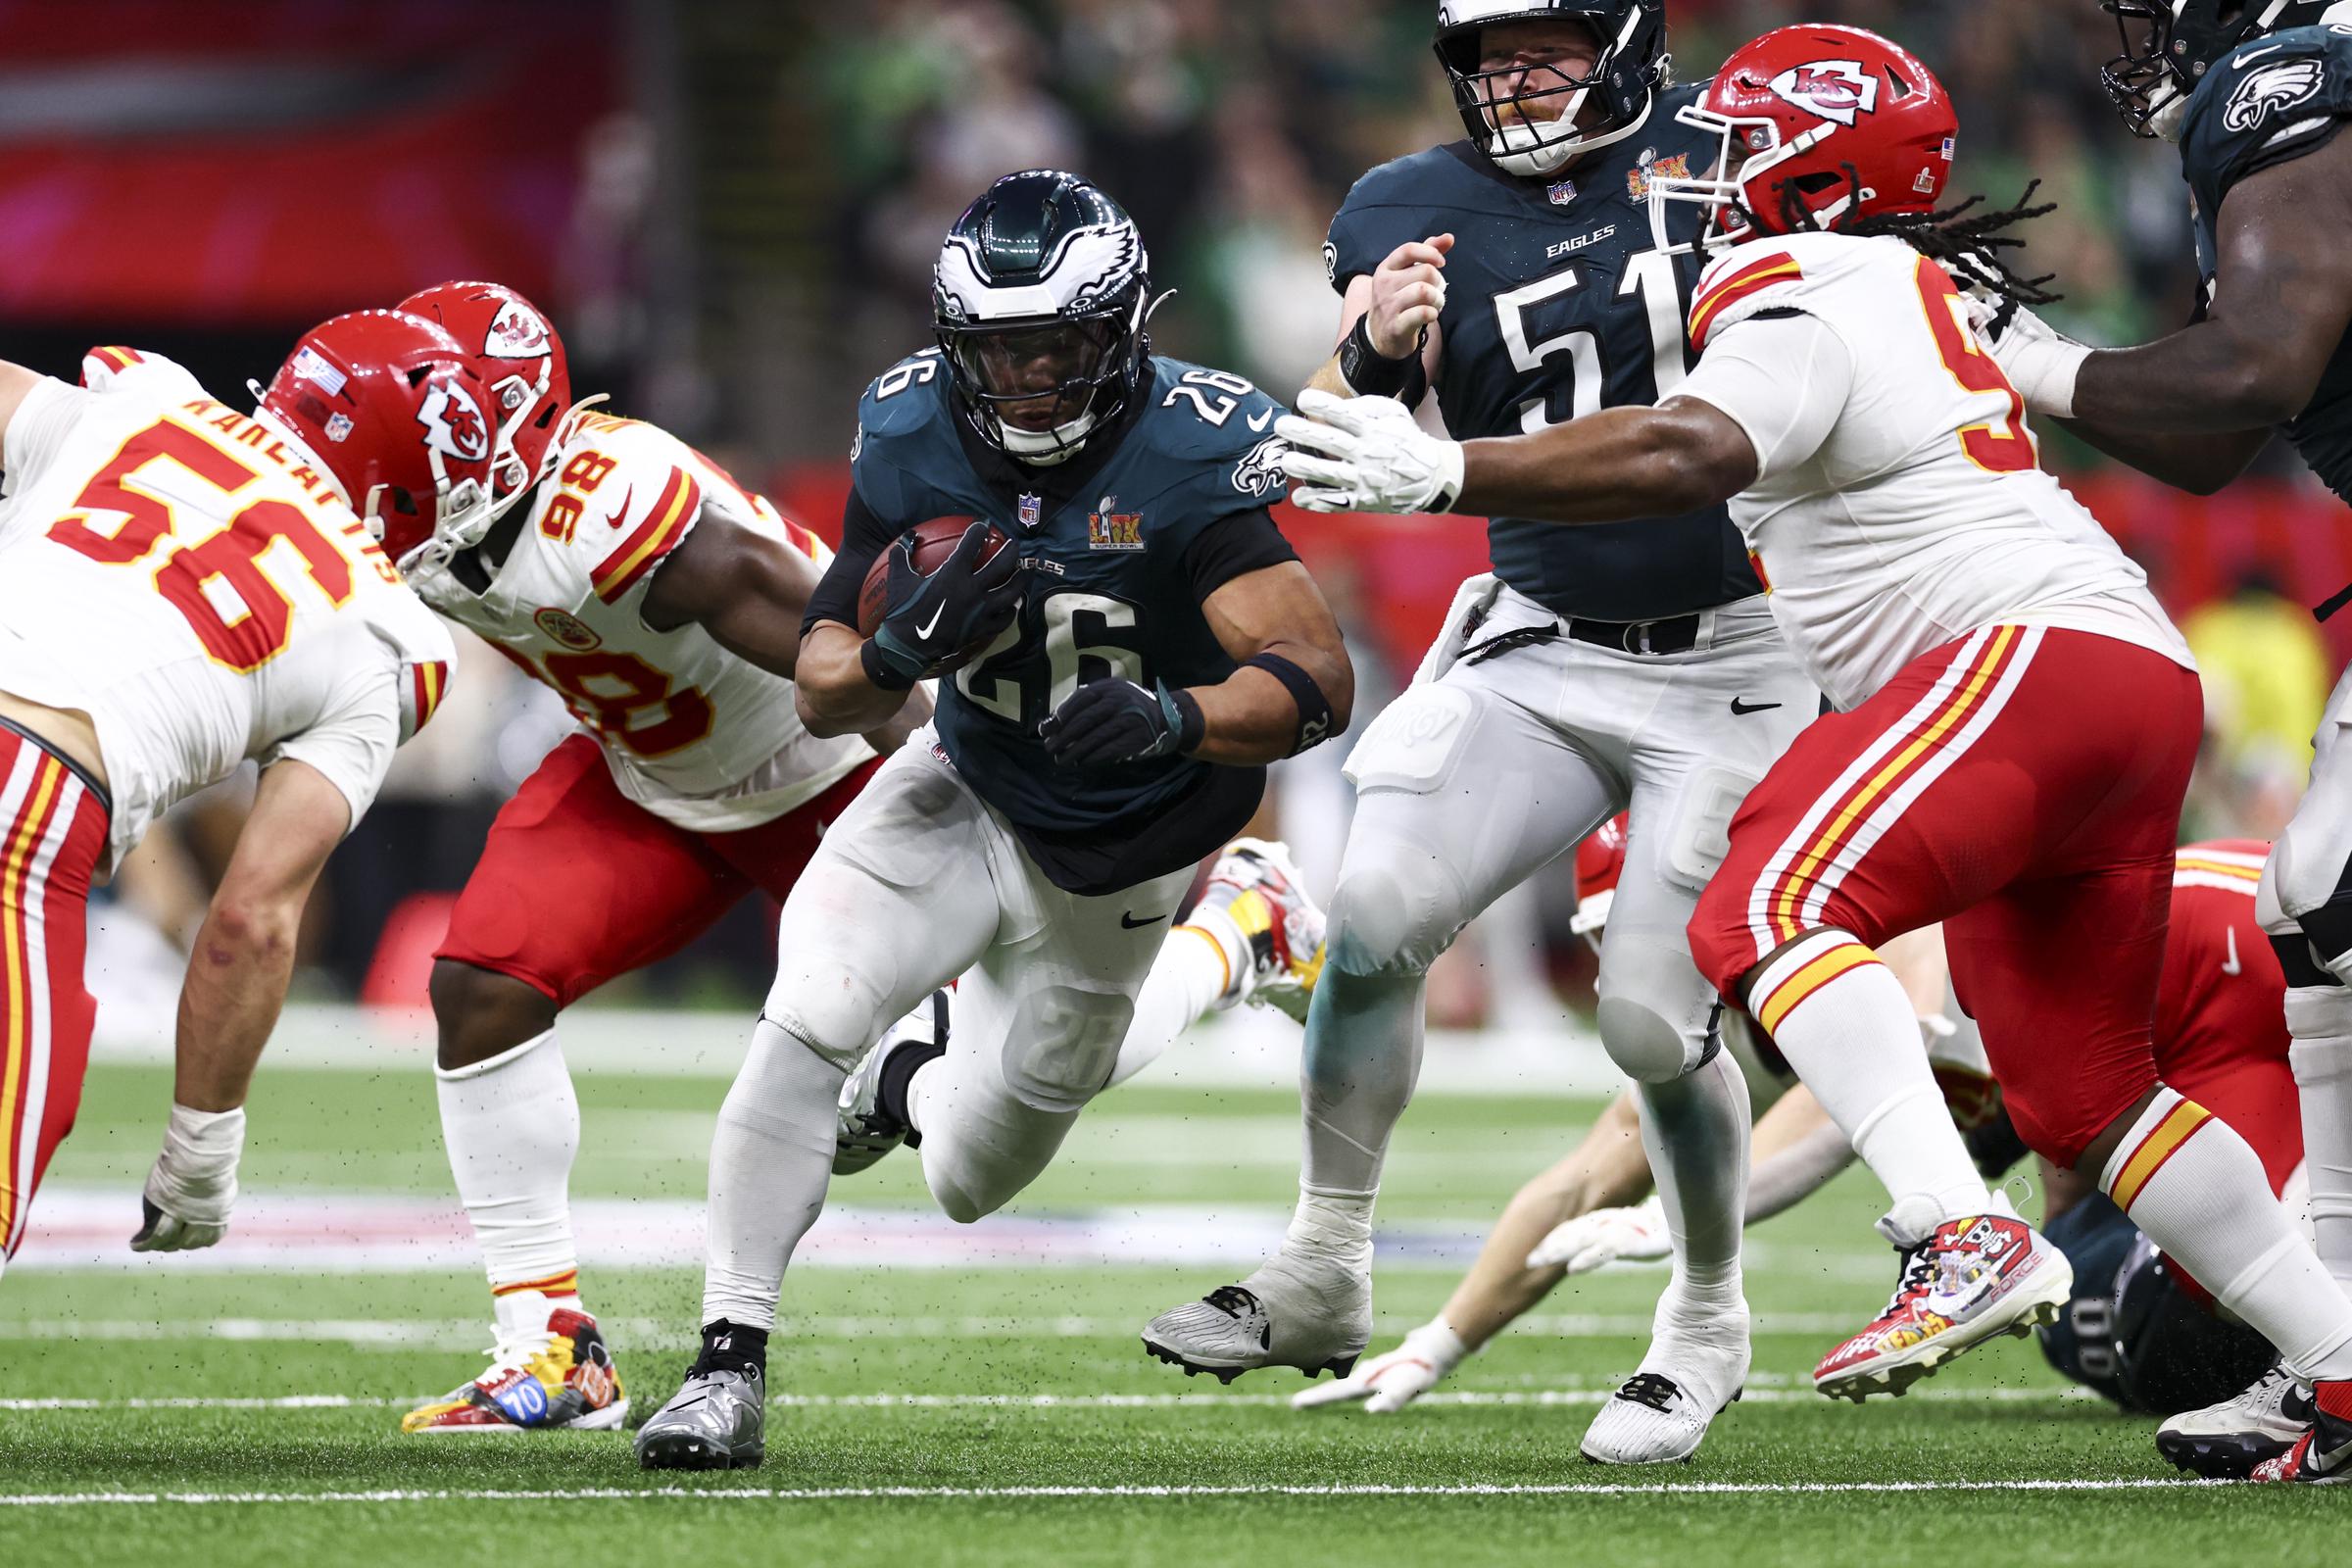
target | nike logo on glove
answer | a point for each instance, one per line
(1133, 924)
(932, 625)
(1741, 709)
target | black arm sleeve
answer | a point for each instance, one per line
(1247, 541)
(863, 538)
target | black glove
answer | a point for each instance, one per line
(1111, 721)
(931, 620)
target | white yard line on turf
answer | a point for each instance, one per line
(1686, 1488)
(655, 1333)
(1475, 1398)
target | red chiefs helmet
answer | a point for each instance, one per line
(390, 406)
(1793, 110)
(519, 357)
(1599, 863)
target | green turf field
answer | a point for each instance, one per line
(1006, 1413)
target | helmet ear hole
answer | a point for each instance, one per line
(1896, 86)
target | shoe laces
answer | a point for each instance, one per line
(1920, 1267)
(522, 1352)
(1653, 1389)
(1231, 1300)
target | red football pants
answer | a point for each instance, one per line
(577, 883)
(2023, 786)
(54, 835)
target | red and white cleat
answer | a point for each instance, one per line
(1964, 1281)
(562, 1376)
(1254, 885)
(2322, 1456)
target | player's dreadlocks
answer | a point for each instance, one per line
(1969, 245)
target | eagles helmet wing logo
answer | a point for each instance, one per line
(451, 423)
(1839, 92)
(2264, 92)
(1260, 472)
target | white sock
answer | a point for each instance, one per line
(2320, 1017)
(1694, 1130)
(1189, 979)
(2198, 1190)
(771, 1160)
(1846, 1026)
(512, 1125)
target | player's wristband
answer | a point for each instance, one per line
(1189, 725)
(1370, 373)
(883, 666)
(1315, 708)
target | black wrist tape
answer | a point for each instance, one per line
(879, 670)
(1192, 725)
(1370, 373)
(1315, 708)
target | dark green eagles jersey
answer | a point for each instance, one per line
(1557, 305)
(2267, 103)
(1120, 546)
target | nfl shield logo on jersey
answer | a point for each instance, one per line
(1562, 192)
(1033, 511)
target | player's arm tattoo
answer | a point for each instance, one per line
(2282, 299)
(1620, 462)
(1251, 717)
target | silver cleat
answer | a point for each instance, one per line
(715, 1422)
(1315, 1316)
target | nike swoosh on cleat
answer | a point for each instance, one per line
(1133, 924)
(931, 625)
(1743, 708)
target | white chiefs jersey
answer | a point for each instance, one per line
(696, 735)
(1901, 502)
(177, 570)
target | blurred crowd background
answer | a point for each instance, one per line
(731, 207)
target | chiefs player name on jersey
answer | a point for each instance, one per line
(178, 571)
(693, 733)
(1901, 502)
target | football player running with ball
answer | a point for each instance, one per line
(1125, 660)
(1637, 665)
(2017, 717)
(2257, 94)
(183, 589)
(664, 601)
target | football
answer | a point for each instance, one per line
(929, 544)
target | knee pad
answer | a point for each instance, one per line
(1396, 908)
(1656, 1013)
(834, 1011)
(2307, 886)
(1064, 1043)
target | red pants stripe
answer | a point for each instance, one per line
(54, 835)
(2023, 786)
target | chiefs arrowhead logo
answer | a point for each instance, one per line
(453, 423)
(1838, 91)
(517, 332)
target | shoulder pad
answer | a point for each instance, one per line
(112, 367)
(1215, 430)
(623, 494)
(1788, 272)
(909, 397)
(2263, 98)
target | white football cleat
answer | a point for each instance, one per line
(1256, 886)
(870, 1119)
(1310, 1312)
(2227, 1440)
(1696, 1369)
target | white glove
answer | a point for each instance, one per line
(1366, 455)
(194, 1182)
(1387, 1384)
(2042, 363)
(1606, 1235)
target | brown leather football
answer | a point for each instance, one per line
(929, 545)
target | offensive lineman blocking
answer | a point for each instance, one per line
(2018, 717)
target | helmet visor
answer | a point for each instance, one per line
(1035, 377)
